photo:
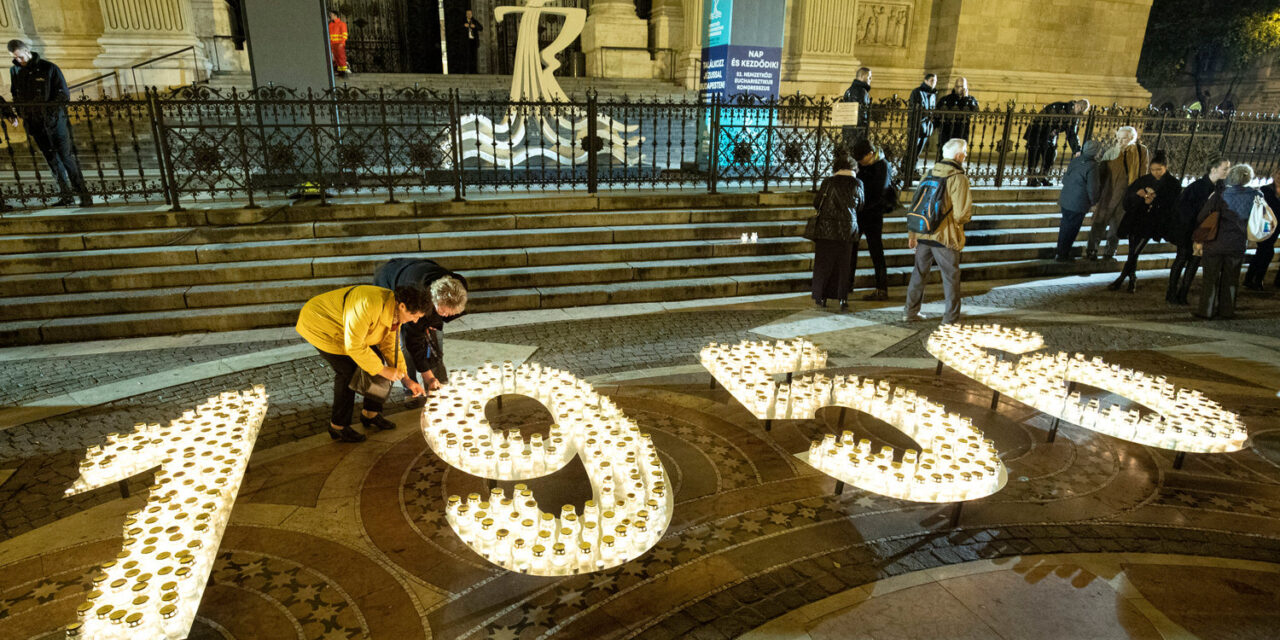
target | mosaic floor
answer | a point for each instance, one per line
(1093, 537)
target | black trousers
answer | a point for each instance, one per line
(1040, 157)
(1221, 281)
(344, 399)
(59, 150)
(1260, 261)
(875, 245)
(1183, 271)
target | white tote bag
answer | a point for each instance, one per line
(1262, 220)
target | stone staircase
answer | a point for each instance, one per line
(101, 273)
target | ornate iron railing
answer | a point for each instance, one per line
(197, 143)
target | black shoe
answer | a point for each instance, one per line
(821, 303)
(346, 434)
(1115, 285)
(1032, 182)
(1253, 286)
(1091, 255)
(844, 306)
(415, 402)
(1063, 259)
(86, 201)
(65, 201)
(1133, 284)
(377, 422)
(877, 295)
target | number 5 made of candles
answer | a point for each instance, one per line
(1183, 420)
(631, 497)
(153, 587)
(954, 463)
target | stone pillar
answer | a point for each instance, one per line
(615, 41)
(667, 33)
(818, 54)
(689, 57)
(136, 30)
(15, 19)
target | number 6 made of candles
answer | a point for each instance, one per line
(153, 587)
(1180, 419)
(954, 463)
(632, 499)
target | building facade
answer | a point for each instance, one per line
(1031, 51)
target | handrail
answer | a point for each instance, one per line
(98, 78)
(194, 59)
(167, 55)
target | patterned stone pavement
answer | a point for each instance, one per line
(342, 541)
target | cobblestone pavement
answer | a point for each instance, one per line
(321, 528)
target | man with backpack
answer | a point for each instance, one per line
(935, 229)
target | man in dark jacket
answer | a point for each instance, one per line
(1042, 134)
(924, 99)
(878, 199)
(36, 80)
(421, 339)
(1262, 255)
(1192, 200)
(955, 125)
(859, 93)
(1081, 189)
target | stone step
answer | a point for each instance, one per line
(542, 267)
(145, 323)
(996, 231)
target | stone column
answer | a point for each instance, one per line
(689, 57)
(136, 30)
(666, 24)
(615, 41)
(818, 54)
(15, 20)
(66, 32)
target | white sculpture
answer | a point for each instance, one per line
(504, 143)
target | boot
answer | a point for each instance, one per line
(1188, 276)
(1115, 286)
(1133, 283)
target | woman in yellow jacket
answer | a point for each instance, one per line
(357, 327)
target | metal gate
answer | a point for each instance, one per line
(378, 35)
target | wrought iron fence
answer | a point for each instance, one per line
(197, 143)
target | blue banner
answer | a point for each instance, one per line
(744, 47)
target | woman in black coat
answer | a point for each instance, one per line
(1148, 214)
(834, 233)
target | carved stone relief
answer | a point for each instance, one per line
(883, 24)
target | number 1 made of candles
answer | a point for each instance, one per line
(631, 496)
(954, 463)
(153, 587)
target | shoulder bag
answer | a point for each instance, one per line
(362, 382)
(1262, 220)
(1207, 230)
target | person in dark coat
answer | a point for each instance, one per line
(1192, 200)
(878, 199)
(1081, 189)
(1224, 255)
(1042, 134)
(1148, 211)
(34, 80)
(924, 99)
(421, 339)
(837, 202)
(955, 125)
(471, 38)
(860, 93)
(1261, 260)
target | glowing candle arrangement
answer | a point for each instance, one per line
(746, 370)
(955, 462)
(153, 587)
(1180, 419)
(632, 500)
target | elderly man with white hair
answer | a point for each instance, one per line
(944, 245)
(1123, 162)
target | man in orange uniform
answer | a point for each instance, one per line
(338, 43)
